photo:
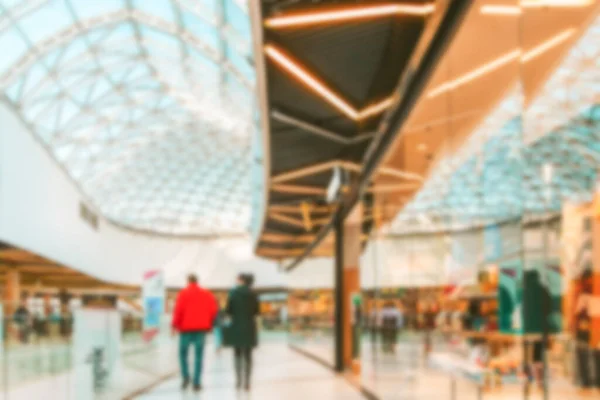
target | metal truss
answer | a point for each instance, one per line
(150, 118)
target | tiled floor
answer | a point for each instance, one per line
(279, 374)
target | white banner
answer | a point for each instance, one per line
(2, 329)
(153, 295)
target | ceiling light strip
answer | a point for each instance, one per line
(476, 73)
(349, 14)
(313, 83)
(321, 89)
(502, 61)
(376, 108)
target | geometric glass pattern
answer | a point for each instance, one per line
(498, 174)
(148, 105)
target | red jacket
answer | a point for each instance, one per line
(196, 309)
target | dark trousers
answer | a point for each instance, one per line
(187, 340)
(596, 355)
(389, 338)
(584, 372)
(243, 365)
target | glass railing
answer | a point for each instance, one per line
(39, 356)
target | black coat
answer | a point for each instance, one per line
(242, 308)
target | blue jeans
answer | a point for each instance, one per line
(186, 340)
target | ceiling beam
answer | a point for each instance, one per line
(382, 170)
(306, 216)
(285, 219)
(290, 253)
(296, 209)
(388, 171)
(299, 189)
(280, 238)
(394, 188)
(319, 131)
(305, 171)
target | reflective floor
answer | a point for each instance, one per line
(279, 373)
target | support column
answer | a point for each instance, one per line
(12, 291)
(595, 328)
(339, 296)
(348, 250)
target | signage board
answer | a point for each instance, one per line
(1, 329)
(153, 295)
(335, 184)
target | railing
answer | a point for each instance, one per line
(37, 358)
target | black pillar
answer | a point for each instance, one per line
(339, 294)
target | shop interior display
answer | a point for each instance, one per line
(311, 311)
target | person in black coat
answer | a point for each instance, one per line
(243, 308)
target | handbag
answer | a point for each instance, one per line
(228, 332)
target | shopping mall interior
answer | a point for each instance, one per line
(410, 190)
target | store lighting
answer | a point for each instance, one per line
(313, 83)
(547, 173)
(517, 10)
(547, 45)
(502, 61)
(321, 88)
(315, 18)
(476, 73)
(375, 108)
(555, 3)
(500, 10)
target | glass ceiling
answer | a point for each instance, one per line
(147, 104)
(498, 175)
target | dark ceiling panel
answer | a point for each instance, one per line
(345, 56)
(286, 93)
(294, 148)
(362, 61)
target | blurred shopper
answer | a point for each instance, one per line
(22, 319)
(38, 324)
(195, 315)
(243, 308)
(582, 330)
(218, 330)
(66, 322)
(391, 323)
(374, 325)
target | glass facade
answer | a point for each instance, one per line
(476, 280)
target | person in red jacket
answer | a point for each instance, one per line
(195, 314)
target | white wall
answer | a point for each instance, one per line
(313, 273)
(39, 211)
(404, 263)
